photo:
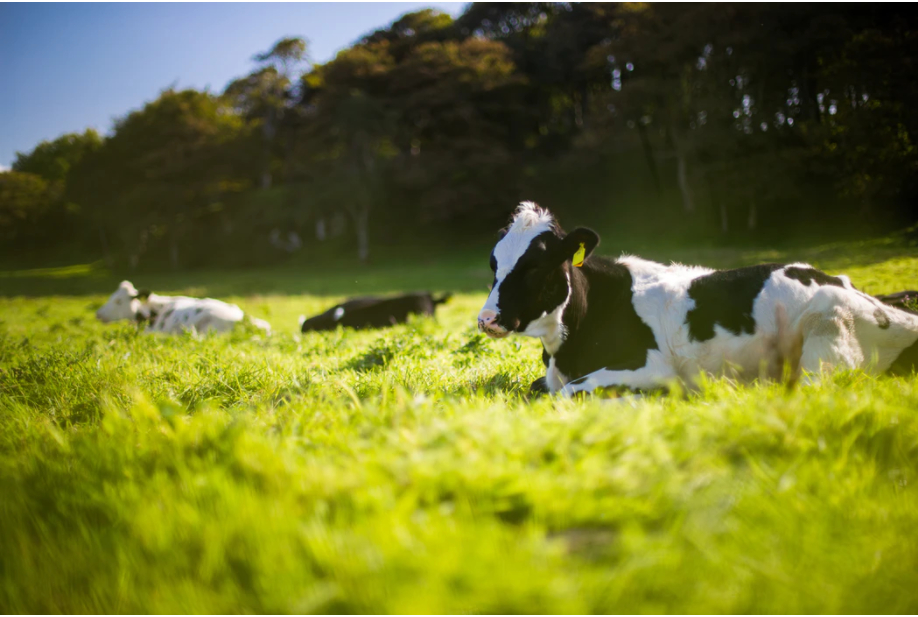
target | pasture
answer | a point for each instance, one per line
(407, 471)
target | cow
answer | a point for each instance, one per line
(172, 314)
(639, 325)
(905, 300)
(373, 312)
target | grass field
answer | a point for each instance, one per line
(405, 470)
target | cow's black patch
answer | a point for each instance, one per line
(198, 310)
(907, 362)
(373, 312)
(726, 298)
(612, 334)
(808, 275)
(539, 386)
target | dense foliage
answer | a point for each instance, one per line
(727, 121)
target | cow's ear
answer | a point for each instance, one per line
(143, 294)
(578, 245)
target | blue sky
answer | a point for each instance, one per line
(66, 67)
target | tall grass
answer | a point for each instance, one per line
(407, 470)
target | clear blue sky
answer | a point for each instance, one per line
(66, 67)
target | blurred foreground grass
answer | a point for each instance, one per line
(404, 470)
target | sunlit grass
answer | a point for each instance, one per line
(406, 470)
(62, 272)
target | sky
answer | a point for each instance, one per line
(68, 67)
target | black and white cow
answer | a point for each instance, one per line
(172, 314)
(373, 312)
(638, 324)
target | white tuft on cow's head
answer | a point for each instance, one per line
(125, 303)
(531, 265)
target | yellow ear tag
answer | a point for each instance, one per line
(579, 256)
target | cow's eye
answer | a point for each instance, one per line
(493, 264)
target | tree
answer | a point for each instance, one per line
(52, 160)
(25, 199)
(165, 167)
(269, 93)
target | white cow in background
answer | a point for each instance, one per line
(172, 314)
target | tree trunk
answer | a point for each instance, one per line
(269, 138)
(106, 254)
(648, 155)
(808, 93)
(584, 105)
(688, 202)
(362, 228)
(174, 253)
(290, 142)
(685, 188)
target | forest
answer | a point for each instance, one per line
(671, 123)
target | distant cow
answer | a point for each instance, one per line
(372, 312)
(172, 314)
(905, 300)
(638, 324)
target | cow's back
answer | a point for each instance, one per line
(371, 312)
(201, 315)
(726, 320)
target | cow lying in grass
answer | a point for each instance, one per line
(638, 324)
(172, 314)
(371, 312)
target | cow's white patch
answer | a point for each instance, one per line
(122, 304)
(339, 313)
(553, 377)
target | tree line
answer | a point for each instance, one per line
(670, 121)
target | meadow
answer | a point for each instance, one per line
(408, 471)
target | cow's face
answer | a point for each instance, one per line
(125, 303)
(532, 270)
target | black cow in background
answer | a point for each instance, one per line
(373, 312)
(903, 300)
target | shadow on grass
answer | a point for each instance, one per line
(462, 271)
(350, 280)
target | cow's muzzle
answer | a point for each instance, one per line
(487, 323)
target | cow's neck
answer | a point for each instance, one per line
(151, 306)
(555, 328)
(574, 310)
(156, 302)
(549, 328)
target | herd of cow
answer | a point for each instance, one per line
(622, 323)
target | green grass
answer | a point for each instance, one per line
(405, 470)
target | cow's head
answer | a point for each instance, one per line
(532, 272)
(125, 303)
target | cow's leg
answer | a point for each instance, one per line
(654, 375)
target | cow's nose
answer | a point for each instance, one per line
(486, 319)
